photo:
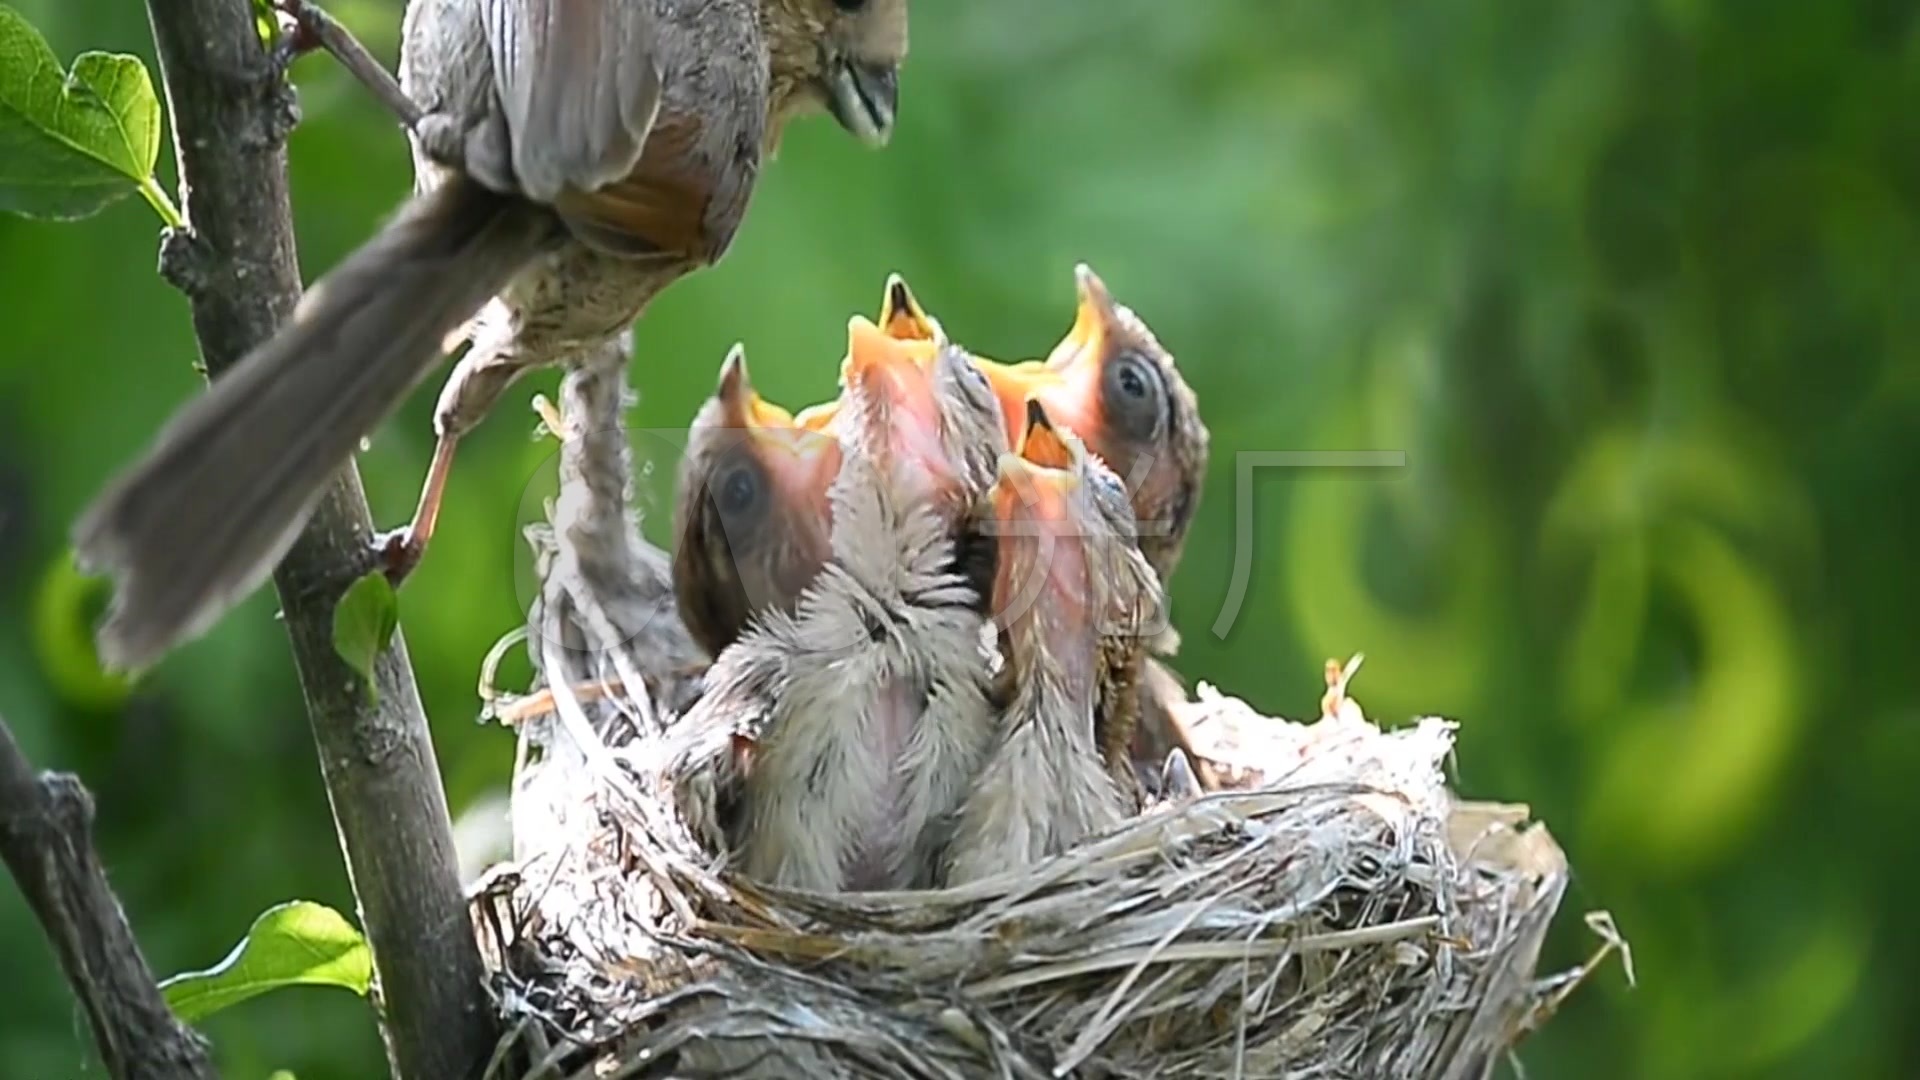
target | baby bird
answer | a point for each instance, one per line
(1110, 381)
(1070, 592)
(751, 515)
(840, 738)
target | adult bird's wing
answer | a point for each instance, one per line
(579, 86)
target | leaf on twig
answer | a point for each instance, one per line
(266, 22)
(71, 143)
(364, 621)
(298, 943)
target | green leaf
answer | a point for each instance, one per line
(299, 943)
(364, 621)
(267, 26)
(66, 605)
(72, 143)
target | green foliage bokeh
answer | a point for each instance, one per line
(1633, 284)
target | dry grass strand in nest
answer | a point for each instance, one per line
(1341, 915)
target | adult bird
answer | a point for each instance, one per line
(572, 159)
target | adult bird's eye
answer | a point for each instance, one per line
(1135, 395)
(849, 5)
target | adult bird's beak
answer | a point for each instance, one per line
(864, 98)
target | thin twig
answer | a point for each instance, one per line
(519, 710)
(45, 837)
(313, 26)
(235, 261)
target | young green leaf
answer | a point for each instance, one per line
(70, 143)
(299, 943)
(364, 621)
(264, 22)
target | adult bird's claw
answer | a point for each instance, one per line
(299, 32)
(397, 553)
(306, 27)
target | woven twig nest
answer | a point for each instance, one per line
(1338, 914)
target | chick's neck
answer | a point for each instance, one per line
(1043, 595)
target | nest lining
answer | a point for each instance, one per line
(1337, 913)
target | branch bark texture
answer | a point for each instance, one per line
(46, 825)
(235, 262)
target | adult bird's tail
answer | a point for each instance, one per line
(199, 521)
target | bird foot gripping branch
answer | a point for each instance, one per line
(584, 180)
(305, 27)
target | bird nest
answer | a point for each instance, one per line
(1335, 912)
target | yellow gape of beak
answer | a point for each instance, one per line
(740, 404)
(902, 317)
(890, 374)
(1094, 320)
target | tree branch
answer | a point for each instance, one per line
(235, 262)
(45, 837)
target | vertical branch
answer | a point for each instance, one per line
(235, 262)
(46, 825)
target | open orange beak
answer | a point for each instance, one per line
(1095, 321)
(890, 374)
(1014, 385)
(1047, 446)
(902, 317)
(1070, 396)
(820, 417)
(800, 462)
(1033, 484)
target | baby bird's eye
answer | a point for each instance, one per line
(1135, 396)
(737, 492)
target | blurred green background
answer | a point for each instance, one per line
(1636, 286)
